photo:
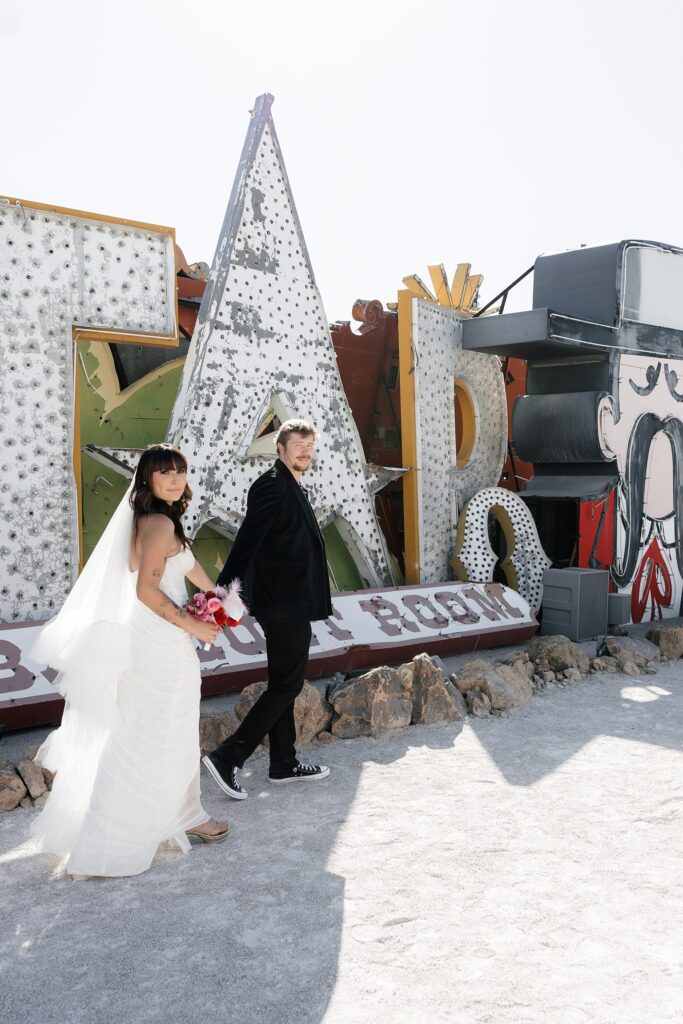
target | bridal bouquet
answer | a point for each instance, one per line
(224, 607)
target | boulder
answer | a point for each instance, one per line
(247, 698)
(630, 648)
(538, 683)
(631, 669)
(572, 674)
(669, 640)
(471, 675)
(12, 788)
(626, 660)
(505, 687)
(435, 698)
(557, 653)
(312, 713)
(30, 755)
(33, 778)
(374, 703)
(605, 664)
(324, 738)
(214, 727)
(478, 703)
(521, 661)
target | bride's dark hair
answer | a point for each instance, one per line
(155, 458)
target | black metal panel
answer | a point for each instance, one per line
(562, 428)
(589, 373)
(590, 481)
(523, 335)
(582, 283)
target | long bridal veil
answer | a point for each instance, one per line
(88, 643)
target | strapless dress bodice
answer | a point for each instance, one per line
(173, 580)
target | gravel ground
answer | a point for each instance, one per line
(517, 869)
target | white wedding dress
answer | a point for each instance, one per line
(126, 756)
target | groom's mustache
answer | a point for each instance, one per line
(643, 434)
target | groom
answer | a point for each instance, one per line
(279, 554)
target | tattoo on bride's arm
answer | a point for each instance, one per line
(168, 604)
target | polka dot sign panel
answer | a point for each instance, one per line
(61, 274)
(262, 343)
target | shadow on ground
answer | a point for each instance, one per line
(248, 931)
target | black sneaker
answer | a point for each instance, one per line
(225, 776)
(301, 772)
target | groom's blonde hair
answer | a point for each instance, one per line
(295, 427)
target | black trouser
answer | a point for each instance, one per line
(287, 645)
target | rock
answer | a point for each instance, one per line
(471, 675)
(605, 664)
(40, 802)
(630, 648)
(30, 755)
(548, 676)
(12, 788)
(625, 661)
(478, 703)
(669, 639)
(33, 778)
(435, 698)
(26, 802)
(437, 662)
(521, 661)
(214, 727)
(374, 703)
(229, 722)
(247, 698)
(505, 687)
(335, 682)
(347, 727)
(630, 669)
(623, 658)
(559, 652)
(312, 714)
(572, 674)
(324, 738)
(651, 668)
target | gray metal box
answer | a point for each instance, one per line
(618, 609)
(575, 602)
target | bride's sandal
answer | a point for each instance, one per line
(209, 837)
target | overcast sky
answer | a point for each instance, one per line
(485, 132)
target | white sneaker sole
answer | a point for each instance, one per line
(301, 778)
(212, 770)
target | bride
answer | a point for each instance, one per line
(126, 755)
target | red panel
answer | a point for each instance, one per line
(515, 472)
(596, 533)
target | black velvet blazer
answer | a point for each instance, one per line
(279, 553)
